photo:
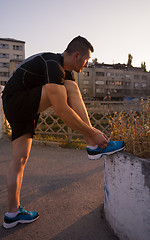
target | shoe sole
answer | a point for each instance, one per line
(11, 225)
(96, 157)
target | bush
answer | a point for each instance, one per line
(134, 129)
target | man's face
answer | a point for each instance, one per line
(81, 62)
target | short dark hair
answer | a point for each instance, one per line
(79, 44)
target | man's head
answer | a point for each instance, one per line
(79, 49)
(79, 44)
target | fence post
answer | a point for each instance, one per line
(69, 134)
(1, 114)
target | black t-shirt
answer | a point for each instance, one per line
(38, 70)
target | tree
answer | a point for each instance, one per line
(95, 60)
(129, 63)
(143, 66)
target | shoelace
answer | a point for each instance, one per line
(110, 143)
(23, 211)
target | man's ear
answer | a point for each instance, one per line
(76, 55)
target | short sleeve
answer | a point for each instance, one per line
(54, 72)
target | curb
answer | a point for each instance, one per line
(45, 143)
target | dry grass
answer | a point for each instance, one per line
(134, 129)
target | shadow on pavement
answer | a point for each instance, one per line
(4, 233)
(90, 227)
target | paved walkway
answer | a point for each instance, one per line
(67, 190)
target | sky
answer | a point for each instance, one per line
(114, 27)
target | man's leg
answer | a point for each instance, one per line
(20, 152)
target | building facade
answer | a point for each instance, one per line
(12, 53)
(115, 82)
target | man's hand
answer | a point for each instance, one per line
(99, 138)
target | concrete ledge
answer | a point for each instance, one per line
(127, 196)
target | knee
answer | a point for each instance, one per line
(24, 160)
(72, 88)
(19, 162)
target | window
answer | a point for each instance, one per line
(127, 84)
(85, 73)
(110, 75)
(15, 47)
(136, 77)
(119, 75)
(100, 90)
(101, 82)
(85, 82)
(4, 55)
(100, 74)
(16, 56)
(136, 84)
(127, 76)
(85, 91)
(112, 83)
(4, 46)
(144, 85)
(119, 83)
(4, 65)
(3, 83)
(4, 74)
(144, 77)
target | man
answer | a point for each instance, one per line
(41, 81)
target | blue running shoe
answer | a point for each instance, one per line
(112, 147)
(22, 217)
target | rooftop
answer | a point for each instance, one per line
(11, 40)
(113, 66)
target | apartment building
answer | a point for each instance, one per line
(12, 53)
(115, 82)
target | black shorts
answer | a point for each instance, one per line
(20, 109)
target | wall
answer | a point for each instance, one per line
(127, 196)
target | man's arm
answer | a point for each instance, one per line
(58, 97)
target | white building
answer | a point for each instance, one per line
(12, 53)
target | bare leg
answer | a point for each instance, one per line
(20, 152)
